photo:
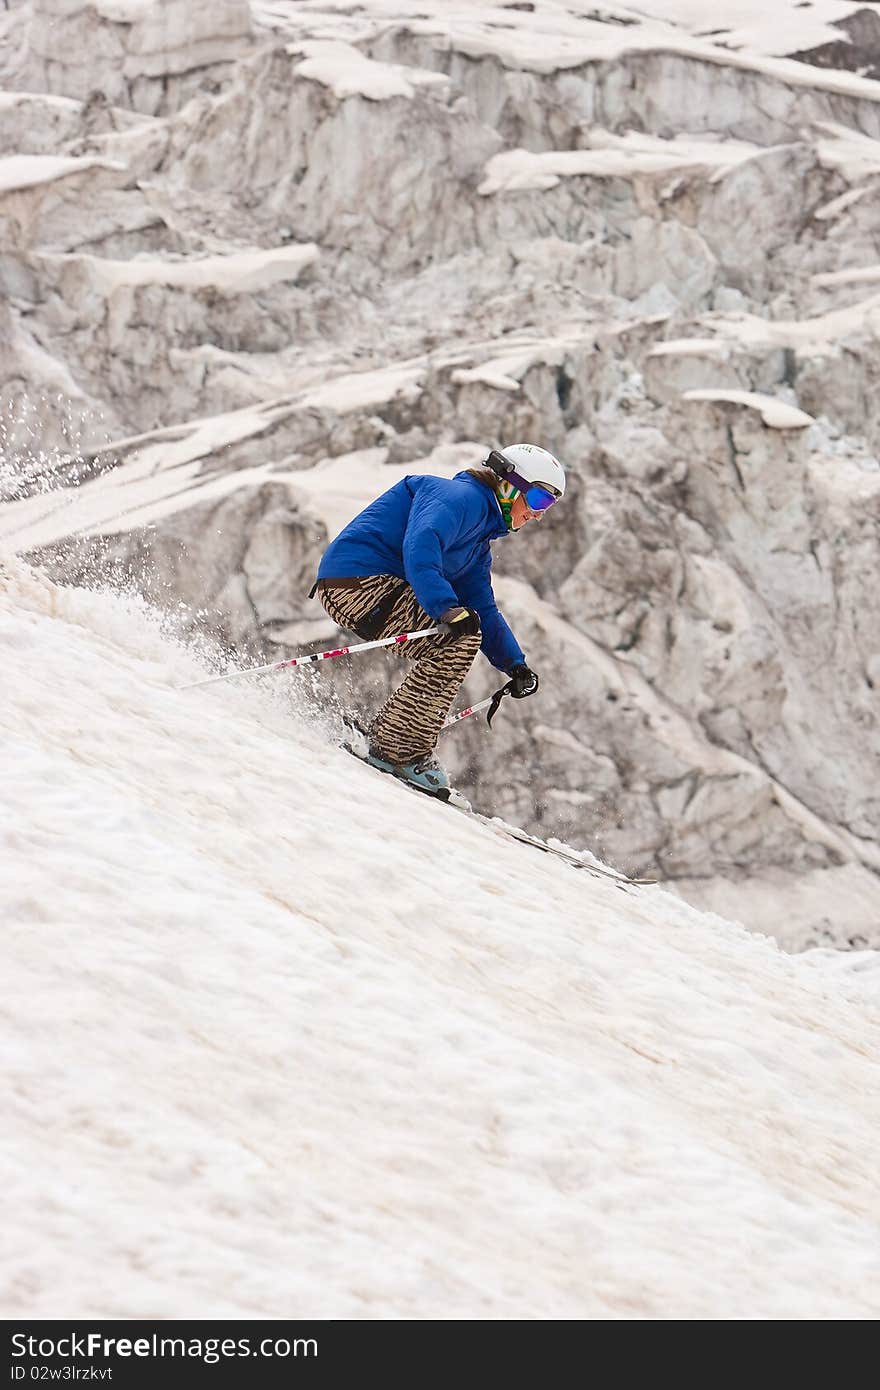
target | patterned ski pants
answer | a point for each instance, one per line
(408, 725)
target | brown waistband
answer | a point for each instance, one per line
(350, 583)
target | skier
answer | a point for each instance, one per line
(420, 554)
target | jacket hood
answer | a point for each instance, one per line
(494, 514)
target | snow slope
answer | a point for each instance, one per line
(283, 1039)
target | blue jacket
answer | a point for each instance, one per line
(434, 533)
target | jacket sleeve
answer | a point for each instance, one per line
(433, 525)
(499, 644)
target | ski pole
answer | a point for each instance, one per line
(316, 656)
(493, 700)
(466, 713)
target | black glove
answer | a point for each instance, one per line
(523, 681)
(461, 622)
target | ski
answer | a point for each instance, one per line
(577, 860)
(356, 744)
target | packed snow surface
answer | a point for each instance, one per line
(776, 414)
(27, 170)
(284, 1039)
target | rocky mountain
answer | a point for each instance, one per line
(258, 262)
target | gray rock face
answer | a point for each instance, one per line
(257, 265)
(131, 53)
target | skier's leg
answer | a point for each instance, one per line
(408, 725)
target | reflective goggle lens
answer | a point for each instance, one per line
(538, 499)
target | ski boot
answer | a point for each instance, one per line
(425, 773)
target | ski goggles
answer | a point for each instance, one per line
(538, 496)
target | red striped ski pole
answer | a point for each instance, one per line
(317, 656)
(491, 703)
(466, 713)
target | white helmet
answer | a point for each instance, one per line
(531, 463)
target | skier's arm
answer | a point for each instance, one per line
(431, 528)
(499, 644)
